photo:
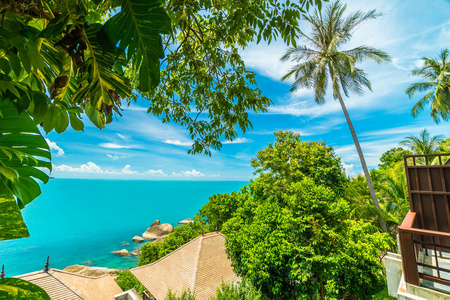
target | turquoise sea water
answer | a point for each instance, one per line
(78, 221)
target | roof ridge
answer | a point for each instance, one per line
(69, 286)
(168, 255)
(197, 260)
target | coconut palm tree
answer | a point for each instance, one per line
(321, 61)
(423, 143)
(436, 72)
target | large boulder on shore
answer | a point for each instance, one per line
(138, 239)
(90, 271)
(157, 230)
(185, 221)
(123, 252)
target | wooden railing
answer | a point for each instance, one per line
(425, 232)
(418, 244)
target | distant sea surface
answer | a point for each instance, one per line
(78, 221)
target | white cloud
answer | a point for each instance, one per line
(127, 170)
(238, 141)
(193, 173)
(89, 168)
(113, 157)
(155, 172)
(116, 146)
(178, 143)
(92, 168)
(348, 169)
(54, 147)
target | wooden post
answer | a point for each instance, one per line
(2, 274)
(409, 258)
(46, 264)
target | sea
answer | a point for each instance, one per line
(80, 221)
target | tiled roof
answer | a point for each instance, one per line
(200, 266)
(61, 285)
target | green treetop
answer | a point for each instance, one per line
(289, 234)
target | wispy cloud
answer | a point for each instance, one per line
(116, 146)
(238, 141)
(177, 143)
(115, 156)
(193, 173)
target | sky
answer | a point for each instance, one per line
(140, 146)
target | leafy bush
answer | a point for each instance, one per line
(127, 281)
(153, 251)
(238, 291)
(185, 295)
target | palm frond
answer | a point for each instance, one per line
(419, 87)
(363, 53)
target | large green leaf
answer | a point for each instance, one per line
(11, 222)
(23, 150)
(103, 86)
(15, 288)
(136, 28)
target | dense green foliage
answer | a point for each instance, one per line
(390, 181)
(392, 156)
(289, 233)
(204, 71)
(435, 72)
(237, 291)
(24, 159)
(322, 61)
(127, 281)
(152, 251)
(185, 295)
(289, 159)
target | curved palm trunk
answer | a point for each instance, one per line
(363, 163)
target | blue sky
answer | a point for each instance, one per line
(139, 146)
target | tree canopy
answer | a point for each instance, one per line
(63, 62)
(290, 234)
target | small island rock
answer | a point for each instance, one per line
(123, 252)
(138, 239)
(125, 243)
(185, 221)
(157, 230)
(135, 252)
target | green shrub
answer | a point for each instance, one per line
(239, 291)
(185, 295)
(127, 281)
(152, 251)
